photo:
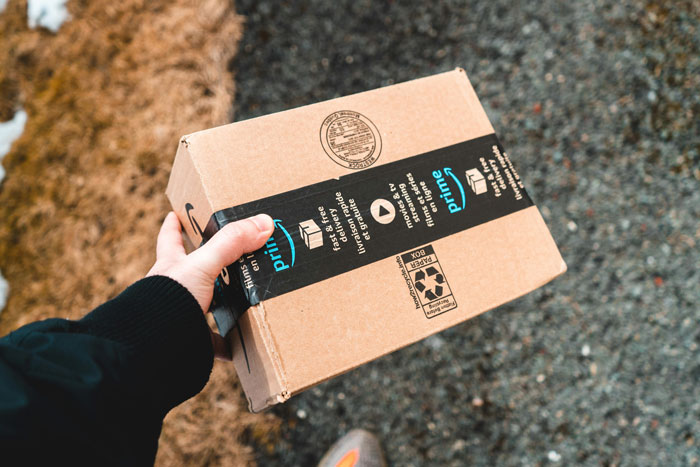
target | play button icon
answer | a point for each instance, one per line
(383, 211)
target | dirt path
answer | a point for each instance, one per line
(107, 98)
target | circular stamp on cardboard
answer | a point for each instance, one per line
(351, 139)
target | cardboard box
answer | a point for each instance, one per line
(397, 214)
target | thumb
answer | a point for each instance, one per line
(231, 242)
(169, 246)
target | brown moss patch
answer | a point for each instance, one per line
(107, 98)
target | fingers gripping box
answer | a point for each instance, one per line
(397, 215)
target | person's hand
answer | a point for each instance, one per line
(198, 270)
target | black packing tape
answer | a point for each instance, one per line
(332, 227)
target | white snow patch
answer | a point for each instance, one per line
(50, 14)
(4, 292)
(9, 132)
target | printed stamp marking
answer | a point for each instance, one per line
(351, 139)
(428, 281)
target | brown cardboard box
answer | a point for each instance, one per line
(398, 215)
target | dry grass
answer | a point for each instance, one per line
(107, 98)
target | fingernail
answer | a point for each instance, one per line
(263, 222)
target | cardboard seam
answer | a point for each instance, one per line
(187, 142)
(272, 352)
(185, 152)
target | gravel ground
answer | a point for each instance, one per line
(598, 105)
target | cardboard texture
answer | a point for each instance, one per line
(297, 339)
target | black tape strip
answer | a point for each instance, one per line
(338, 225)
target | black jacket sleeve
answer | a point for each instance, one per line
(96, 390)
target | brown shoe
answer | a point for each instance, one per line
(358, 448)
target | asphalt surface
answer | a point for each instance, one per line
(598, 105)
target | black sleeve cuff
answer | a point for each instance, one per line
(165, 333)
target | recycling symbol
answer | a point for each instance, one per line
(429, 283)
